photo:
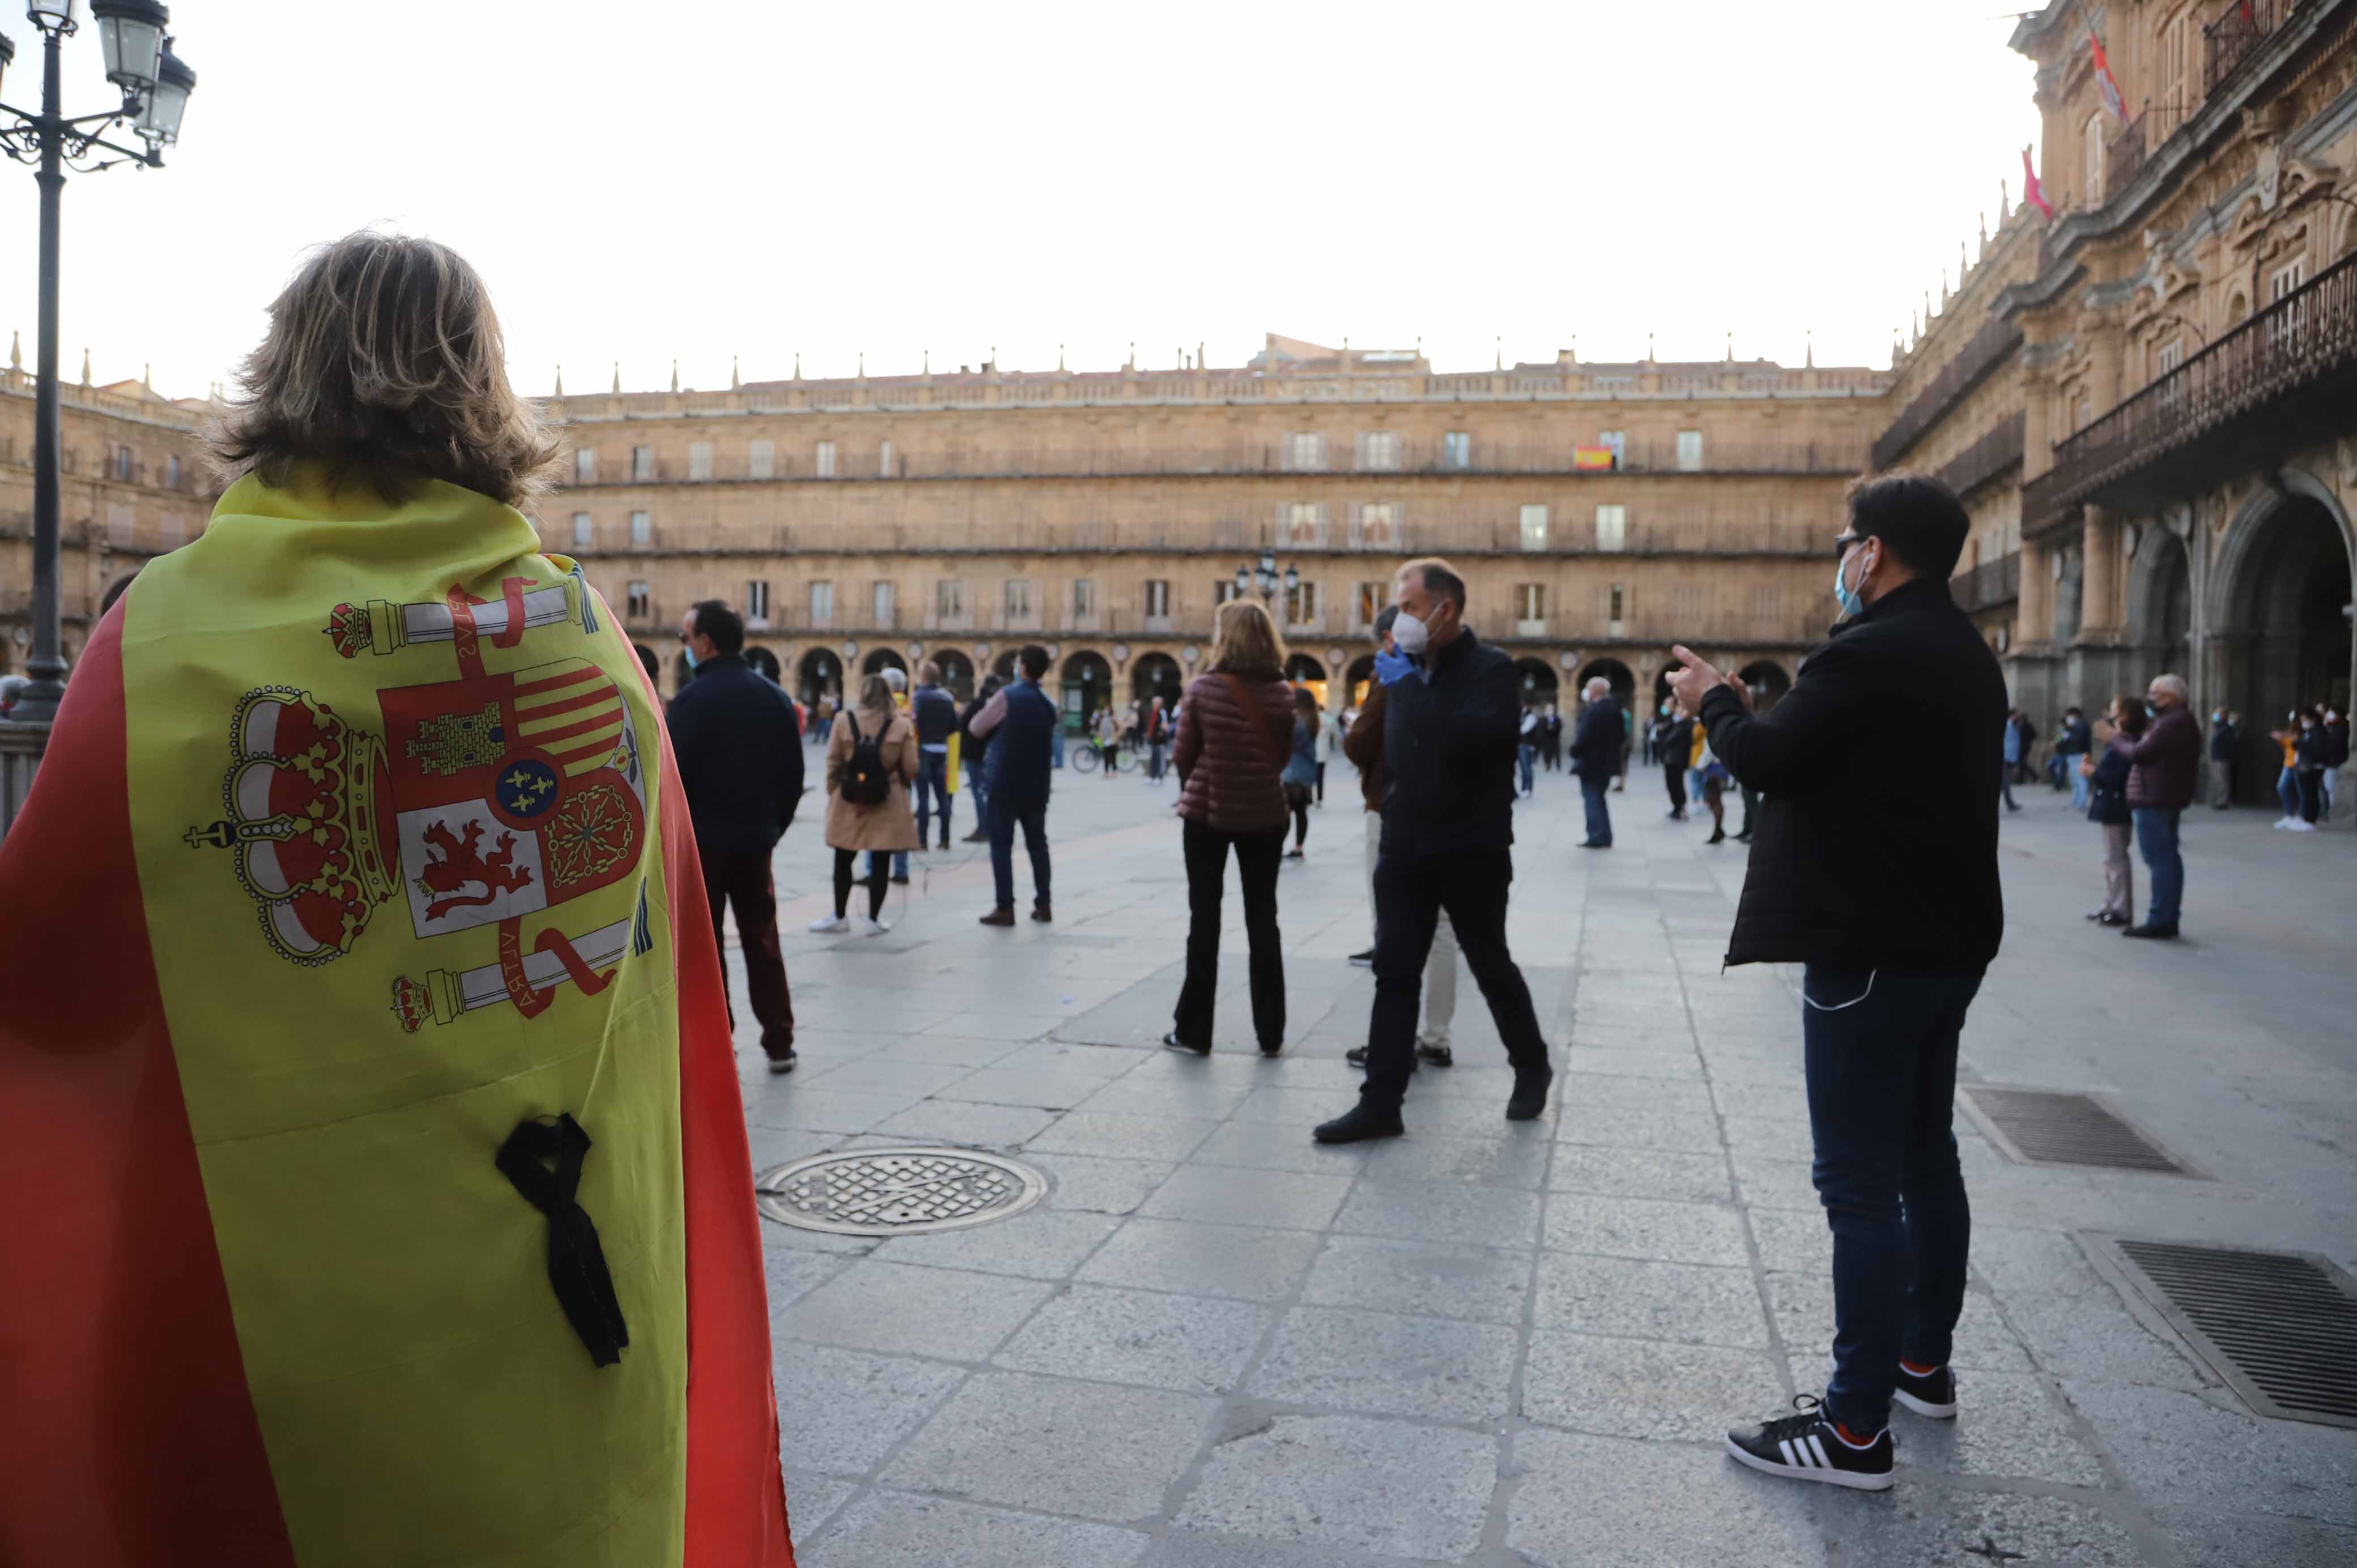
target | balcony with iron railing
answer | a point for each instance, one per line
(2234, 33)
(2278, 381)
(1988, 585)
(1983, 352)
(1992, 456)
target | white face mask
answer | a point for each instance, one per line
(1409, 635)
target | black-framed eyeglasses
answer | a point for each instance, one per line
(1842, 543)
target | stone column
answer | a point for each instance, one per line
(2099, 577)
(2033, 625)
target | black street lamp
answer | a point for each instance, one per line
(1265, 576)
(156, 88)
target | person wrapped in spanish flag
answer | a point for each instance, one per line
(376, 1179)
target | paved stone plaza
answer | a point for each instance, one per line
(1215, 1345)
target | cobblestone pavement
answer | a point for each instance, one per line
(1215, 1345)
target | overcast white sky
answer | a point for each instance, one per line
(646, 181)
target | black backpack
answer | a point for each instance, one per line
(866, 781)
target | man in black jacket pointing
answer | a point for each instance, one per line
(1875, 868)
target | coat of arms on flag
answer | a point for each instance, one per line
(481, 800)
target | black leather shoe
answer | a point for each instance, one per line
(1530, 1094)
(2156, 933)
(1172, 1042)
(1357, 1056)
(1041, 913)
(1358, 1124)
(1592, 843)
(977, 837)
(1272, 1049)
(1438, 1055)
(1364, 959)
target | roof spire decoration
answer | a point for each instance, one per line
(148, 377)
(15, 350)
(2004, 201)
(85, 366)
(1501, 342)
(798, 364)
(734, 383)
(1730, 348)
(617, 378)
(927, 362)
(1060, 358)
(1648, 347)
(559, 381)
(1198, 353)
(674, 375)
(1132, 355)
(1983, 216)
(863, 364)
(1809, 361)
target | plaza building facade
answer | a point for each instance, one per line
(1598, 512)
(2156, 390)
(132, 485)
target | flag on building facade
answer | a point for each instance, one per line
(2105, 81)
(2031, 191)
(367, 1108)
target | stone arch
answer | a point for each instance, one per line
(2160, 603)
(1537, 681)
(819, 674)
(2278, 600)
(1768, 681)
(879, 660)
(1087, 681)
(765, 662)
(1004, 665)
(1362, 671)
(1304, 667)
(648, 661)
(1156, 675)
(957, 672)
(1616, 675)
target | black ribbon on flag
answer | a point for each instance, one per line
(541, 1159)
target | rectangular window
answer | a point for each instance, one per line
(1617, 442)
(1371, 600)
(1305, 451)
(1157, 599)
(1530, 601)
(1301, 525)
(1377, 526)
(1379, 451)
(1689, 451)
(1223, 590)
(1084, 598)
(1457, 449)
(699, 459)
(822, 604)
(642, 462)
(949, 599)
(2171, 355)
(884, 470)
(762, 460)
(585, 466)
(1017, 599)
(1534, 528)
(757, 604)
(584, 531)
(824, 462)
(171, 470)
(882, 600)
(643, 531)
(1301, 605)
(122, 462)
(642, 606)
(1612, 528)
(1616, 608)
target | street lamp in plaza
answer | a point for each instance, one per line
(156, 88)
(1265, 576)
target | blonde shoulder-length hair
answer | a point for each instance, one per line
(1244, 639)
(384, 364)
(875, 695)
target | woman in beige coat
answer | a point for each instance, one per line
(853, 829)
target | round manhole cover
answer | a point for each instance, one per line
(897, 1192)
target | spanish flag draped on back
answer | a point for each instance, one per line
(376, 1179)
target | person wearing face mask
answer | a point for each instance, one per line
(2162, 768)
(1450, 731)
(1887, 893)
(2225, 739)
(2308, 765)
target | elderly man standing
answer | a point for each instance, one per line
(1596, 751)
(1890, 900)
(2162, 769)
(1452, 710)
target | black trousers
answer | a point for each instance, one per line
(846, 863)
(742, 877)
(1257, 853)
(1674, 774)
(1409, 896)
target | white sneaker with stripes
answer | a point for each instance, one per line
(1808, 1448)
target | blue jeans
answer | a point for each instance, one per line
(1600, 815)
(932, 788)
(2078, 785)
(981, 794)
(1033, 817)
(2156, 835)
(1527, 756)
(1882, 1087)
(2287, 791)
(1056, 746)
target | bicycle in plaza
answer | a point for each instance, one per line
(1091, 757)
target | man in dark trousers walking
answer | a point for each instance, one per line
(740, 747)
(1451, 729)
(1019, 723)
(1889, 897)
(1596, 747)
(935, 713)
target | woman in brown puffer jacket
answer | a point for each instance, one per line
(1235, 731)
(853, 829)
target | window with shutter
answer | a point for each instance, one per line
(642, 530)
(1612, 528)
(823, 464)
(1689, 451)
(822, 605)
(882, 601)
(584, 531)
(699, 459)
(1457, 449)
(762, 460)
(1534, 527)
(585, 466)
(642, 462)
(642, 605)
(756, 605)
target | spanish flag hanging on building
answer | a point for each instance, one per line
(376, 1175)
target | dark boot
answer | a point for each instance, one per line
(1005, 917)
(1530, 1094)
(1358, 1124)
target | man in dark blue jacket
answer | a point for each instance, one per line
(1596, 757)
(739, 748)
(1018, 723)
(1882, 883)
(1452, 717)
(935, 715)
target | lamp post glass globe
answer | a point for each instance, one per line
(1292, 578)
(1243, 580)
(159, 114)
(53, 15)
(130, 35)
